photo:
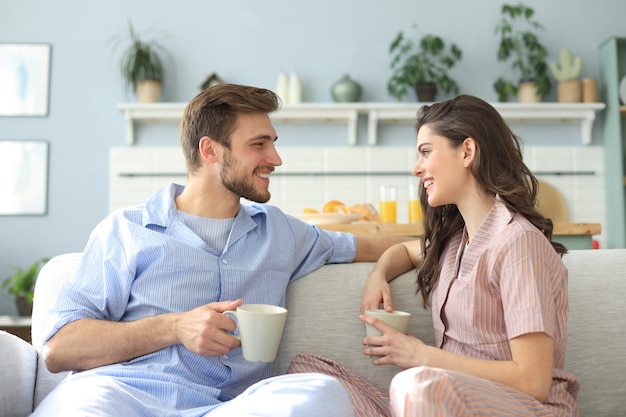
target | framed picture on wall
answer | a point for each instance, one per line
(24, 79)
(23, 177)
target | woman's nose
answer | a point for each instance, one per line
(417, 169)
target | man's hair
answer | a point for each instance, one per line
(213, 113)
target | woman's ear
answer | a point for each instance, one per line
(469, 152)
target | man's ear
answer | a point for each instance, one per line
(469, 151)
(207, 149)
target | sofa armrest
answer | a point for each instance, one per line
(18, 369)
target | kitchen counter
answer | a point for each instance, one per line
(572, 235)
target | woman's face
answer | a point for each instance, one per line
(442, 168)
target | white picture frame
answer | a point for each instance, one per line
(23, 177)
(24, 79)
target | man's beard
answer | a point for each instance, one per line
(238, 184)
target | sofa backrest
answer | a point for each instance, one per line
(596, 329)
(323, 318)
(324, 308)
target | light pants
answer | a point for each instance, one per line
(291, 395)
(429, 392)
(297, 395)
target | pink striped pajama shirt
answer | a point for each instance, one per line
(507, 282)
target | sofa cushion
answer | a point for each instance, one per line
(17, 367)
(323, 318)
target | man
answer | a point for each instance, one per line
(141, 319)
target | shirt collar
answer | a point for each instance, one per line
(160, 209)
(496, 220)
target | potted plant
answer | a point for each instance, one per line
(141, 66)
(521, 47)
(422, 64)
(21, 285)
(569, 86)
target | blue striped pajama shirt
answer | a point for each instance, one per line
(143, 261)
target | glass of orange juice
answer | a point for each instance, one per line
(388, 204)
(415, 208)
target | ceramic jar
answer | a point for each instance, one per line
(346, 90)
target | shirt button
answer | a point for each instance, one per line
(224, 261)
(225, 357)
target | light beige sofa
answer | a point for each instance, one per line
(323, 319)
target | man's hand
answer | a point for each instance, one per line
(204, 330)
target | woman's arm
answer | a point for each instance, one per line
(395, 261)
(529, 370)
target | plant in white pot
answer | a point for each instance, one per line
(21, 285)
(521, 47)
(422, 63)
(141, 65)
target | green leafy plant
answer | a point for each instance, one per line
(140, 60)
(520, 45)
(22, 282)
(421, 60)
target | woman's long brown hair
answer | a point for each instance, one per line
(498, 167)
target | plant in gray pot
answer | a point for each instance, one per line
(21, 285)
(141, 65)
(520, 46)
(423, 64)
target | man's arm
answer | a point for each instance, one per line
(89, 343)
(370, 247)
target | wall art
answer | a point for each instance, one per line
(24, 79)
(23, 177)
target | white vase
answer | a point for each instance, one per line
(282, 87)
(295, 89)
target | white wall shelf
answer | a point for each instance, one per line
(376, 113)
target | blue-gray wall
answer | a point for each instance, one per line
(244, 41)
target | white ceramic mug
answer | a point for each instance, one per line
(399, 320)
(260, 330)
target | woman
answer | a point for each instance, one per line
(489, 270)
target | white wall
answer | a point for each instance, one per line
(583, 194)
(244, 41)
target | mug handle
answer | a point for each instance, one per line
(234, 313)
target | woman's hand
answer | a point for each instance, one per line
(396, 260)
(393, 347)
(377, 290)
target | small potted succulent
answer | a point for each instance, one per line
(141, 65)
(520, 46)
(21, 285)
(422, 64)
(569, 85)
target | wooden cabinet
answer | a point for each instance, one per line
(17, 325)
(613, 60)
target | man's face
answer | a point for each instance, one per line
(252, 158)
